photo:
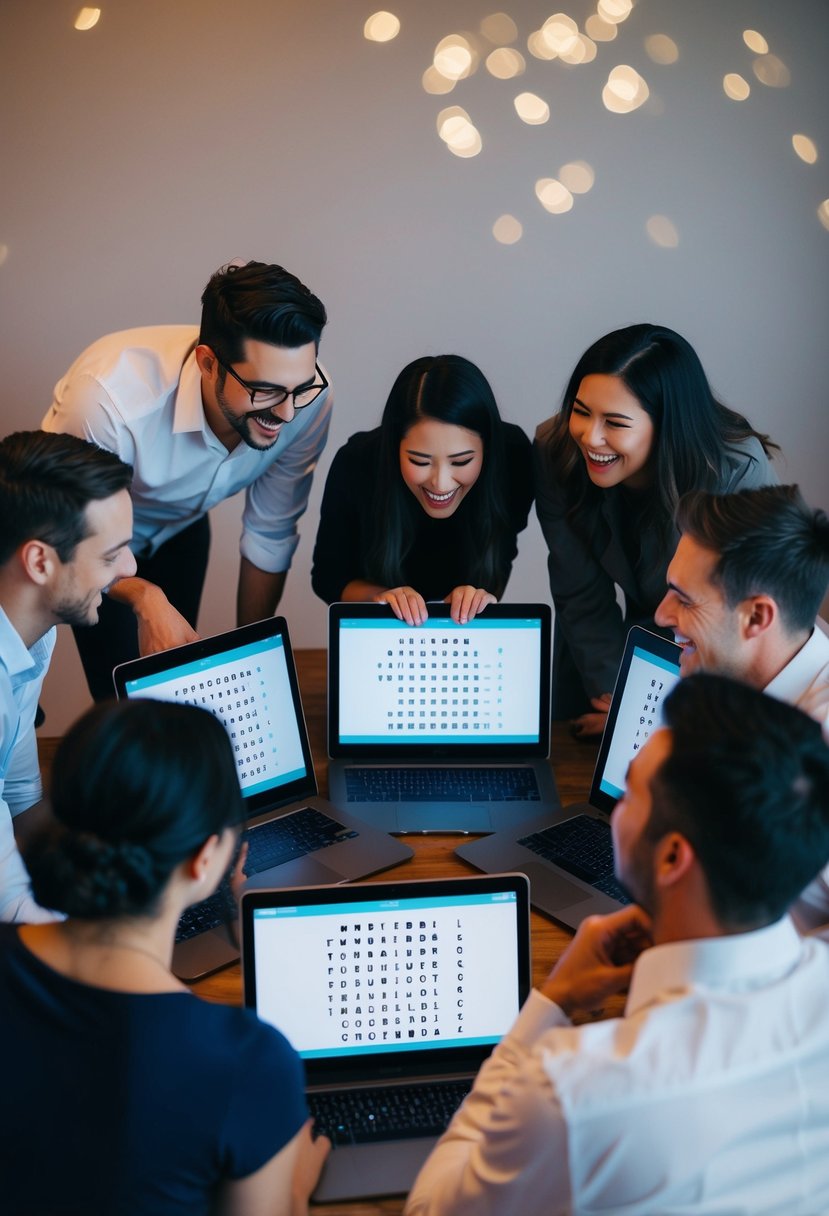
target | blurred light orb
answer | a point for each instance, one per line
(499, 29)
(560, 32)
(453, 57)
(600, 30)
(507, 230)
(771, 71)
(755, 42)
(381, 27)
(505, 63)
(577, 176)
(823, 213)
(538, 46)
(435, 83)
(531, 109)
(805, 148)
(661, 49)
(662, 232)
(625, 90)
(614, 11)
(735, 87)
(87, 18)
(553, 195)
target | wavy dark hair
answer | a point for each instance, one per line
(452, 390)
(692, 428)
(260, 301)
(137, 787)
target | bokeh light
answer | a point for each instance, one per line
(538, 46)
(86, 18)
(771, 71)
(599, 29)
(805, 148)
(531, 109)
(499, 29)
(553, 195)
(662, 232)
(614, 11)
(755, 42)
(434, 82)
(454, 57)
(661, 49)
(625, 90)
(577, 176)
(560, 32)
(505, 63)
(735, 87)
(507, 230)
(823, 213)
(381, 27)
(458, 132)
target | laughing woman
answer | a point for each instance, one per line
(638, 427)
(428, 505)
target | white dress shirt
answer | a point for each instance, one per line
(804, 682)
(138, 394)
(21, 677)
(710, 1095)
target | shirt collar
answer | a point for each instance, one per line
(789, 684)
(189, 410)
(17, 659)
(737, 961)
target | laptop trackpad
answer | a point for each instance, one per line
(445, 817)
(303, 872)
(550, 888)
(360, 1171)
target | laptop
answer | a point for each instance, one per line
(568, 856)
(440, 727)
(393, 994)
(247, 678)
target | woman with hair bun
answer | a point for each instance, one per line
(122, 1091)
(638, 427)
(428, 505)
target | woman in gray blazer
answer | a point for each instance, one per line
(638, 427)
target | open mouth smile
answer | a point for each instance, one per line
(440, 500)
(600, 459)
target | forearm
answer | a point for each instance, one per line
(359, 590)
(259, 592)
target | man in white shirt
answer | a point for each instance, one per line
(67, 526)
(240, 403)
(744, 588)
(711, 1093)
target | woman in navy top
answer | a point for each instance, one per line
(428, 505)
(122, 1091)
(639, 426)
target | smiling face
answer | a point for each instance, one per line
(440, 464)
(99, 560)
(227, 404)
(695, 608)
(614, 434)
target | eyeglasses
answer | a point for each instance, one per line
(266, 396)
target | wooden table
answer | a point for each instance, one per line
(434, 857)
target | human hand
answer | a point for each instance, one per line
(308, 1167)
(590, 725)
(407, 604)
(599, 960)
(466, 602)
(160, 625)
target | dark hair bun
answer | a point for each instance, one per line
(82, 875)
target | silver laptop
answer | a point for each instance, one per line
(568, 856)
(393, 994)
(247, 678)
(440, 727)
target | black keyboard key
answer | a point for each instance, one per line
(515, 784)
(584, 847)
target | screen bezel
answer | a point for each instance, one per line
(447, 749)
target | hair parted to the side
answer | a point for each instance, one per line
(747, 783)
(769, 541)
(261, 301)
(452, 390)
(137, 788)
(691, 428)
(46, 483)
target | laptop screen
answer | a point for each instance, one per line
(247, 679)
(439, 685)
(389, 969)
(647, 673)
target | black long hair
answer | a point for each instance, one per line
(137, 787)
(692, 429)
(452, 390)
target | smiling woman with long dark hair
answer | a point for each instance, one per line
(427, 506)
(638, 427)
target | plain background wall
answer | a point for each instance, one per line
(172, 137)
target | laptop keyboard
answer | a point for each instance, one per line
(584, 847)
(359, 1116)
(516, 784)
(270, 844)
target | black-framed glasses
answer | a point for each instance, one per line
(267, 396)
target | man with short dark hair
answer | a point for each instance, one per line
(744, 588)
(240, 403)
(67, 526)
(711, 1093)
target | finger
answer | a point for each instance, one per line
(417, 606)
(480, 601)
(390, 598)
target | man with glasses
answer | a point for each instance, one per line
(240, 403)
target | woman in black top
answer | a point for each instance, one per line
(428, 505)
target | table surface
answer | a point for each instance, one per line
(434, 857)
